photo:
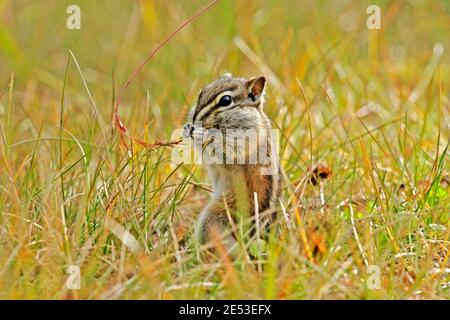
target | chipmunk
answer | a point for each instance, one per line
(232, 104)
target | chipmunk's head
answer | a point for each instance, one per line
(228, 103)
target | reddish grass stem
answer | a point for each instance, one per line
(119, 124)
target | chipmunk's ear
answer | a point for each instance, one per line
(256, 87)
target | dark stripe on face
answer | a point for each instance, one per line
(197, 111)
(213, 109)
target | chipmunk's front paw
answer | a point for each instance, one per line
(188, 129)
(194, 132)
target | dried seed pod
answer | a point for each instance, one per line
(319, 173)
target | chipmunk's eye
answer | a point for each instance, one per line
(225, 101)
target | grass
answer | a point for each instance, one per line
(371, 106)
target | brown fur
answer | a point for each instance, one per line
(234, 185)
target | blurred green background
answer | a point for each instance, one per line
(296, 39)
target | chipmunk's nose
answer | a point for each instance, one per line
(188, 129)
